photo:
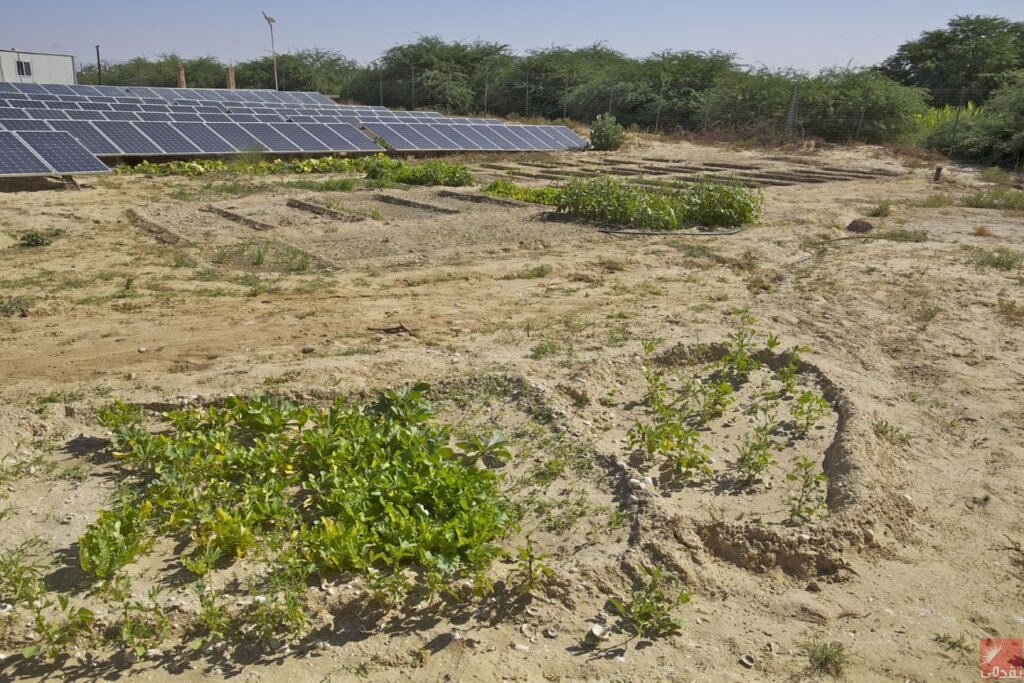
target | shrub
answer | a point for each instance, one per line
(437, 172)
(606, 133)
(509, 190)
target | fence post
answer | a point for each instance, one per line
(527, 93)
(413, 70)
(487, 76)
(707, 110)
(380, 75)
(792, 112)
(611, 93)
(565, 96)
(860, 121)
(657, 112)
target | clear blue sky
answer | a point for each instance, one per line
(805, 34)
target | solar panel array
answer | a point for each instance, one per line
(66, 129)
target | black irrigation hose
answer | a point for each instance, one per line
(666, 233)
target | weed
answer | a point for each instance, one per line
(531, 571)
(21, 572)
(1002, 198)
(529, 272)
(15, 306)
(996, 175)
(936, 201)
(52, 637)
(959, 644)
(890, 432)
(332, 185)
(755, 451)
(606, 133)
(879, 210)
(648, 611)
(1010, 312)
(827, 658)
(809, 499)
(545, 349)
(38, 238)
(900, 235)
(738, 360)
(1000, 258)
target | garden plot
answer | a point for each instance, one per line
(848, 511)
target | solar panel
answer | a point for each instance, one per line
(153, 116)
(353, 135)
(39, 113)
(471, 133)
(526, 133)
(433, 136)
(83, 115)
(506, 133)
(16, 158)
(334, 142)
(127, 137)
(295, 133)
(87, 134)
(26, 124)
(7, 87)
(169, 139)
(237, 136)
(140, 92)
(95, 106)
(453, 134)
(275, 141)
(494, 138)
(204, 138)
(12, 113)
(121, 115)
(215, 117)
(33, 88)
(58, 104)
(390, 136)
(63, 153)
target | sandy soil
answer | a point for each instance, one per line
(147, 297)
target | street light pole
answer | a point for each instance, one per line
(273, 50)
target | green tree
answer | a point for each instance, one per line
(993, 136)
(975, 52)
(859, 104)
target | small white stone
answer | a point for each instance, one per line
(522, 648)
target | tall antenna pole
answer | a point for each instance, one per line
(273, 50)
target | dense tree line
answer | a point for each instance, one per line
(974, 59)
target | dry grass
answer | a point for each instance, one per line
(982, 231)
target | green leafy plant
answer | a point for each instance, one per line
(606, 133)
(72, 625)
(807, 409)
(738, 360)
(809, 498)
(38, 238)
(755, 451)
(114, 540)
(880, 210)
(827, 658)
(21, 572)
(531, 570)
(509, 190)
(648, 610)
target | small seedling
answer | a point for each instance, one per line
(808, 408)
(531, 571)
(809, 499)
(827, 658)
(648, 611)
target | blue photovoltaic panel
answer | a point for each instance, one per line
(394, 140)
(62, 105)
(121, 115)
(12, 113)
(305, 141)
(419, 140)
(83, 115)
(126, 106)
(90, 137)
(17, 159)
(169, 139)
(156, 107)
(353, 135)
(63, 153)
(436, 137)
(57, 89)
(497, 140)
(236, 135)
(96, 106)
(21, 102)
(507, 134)
(86, 90)
(153, 116)
(270, 118)
(186, 116)
(527, 133)
(474, 135)
(301, 119)
(32, 88)
(7, 87)
(266, 134)
(46, 113)
(109, 90)
(453, 134)
(334, 142)
(127, 137)
(221, 118)
(204, 138)
(231, 96)
(568, 133)
(26, 124)
(140, 92)
(244, 118)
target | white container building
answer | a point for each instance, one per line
(19, 66)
